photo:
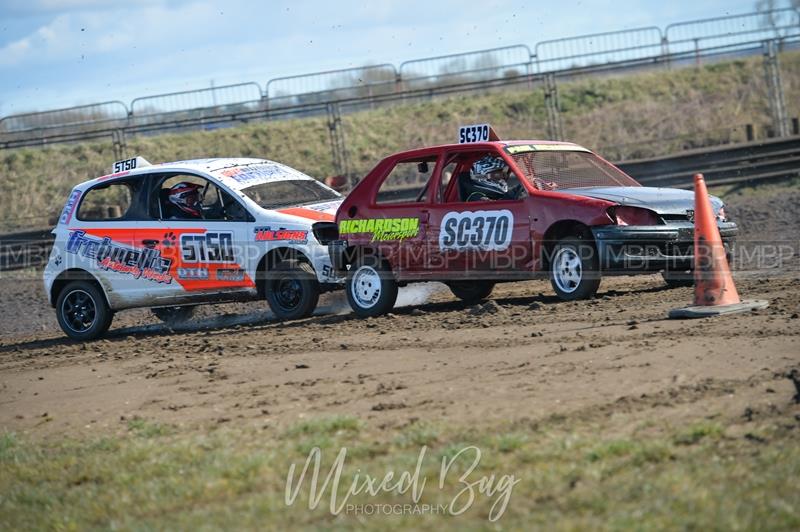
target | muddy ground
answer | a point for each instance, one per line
(524, 356)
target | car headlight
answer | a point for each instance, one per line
(622, 215)
(325, 232)
(721, 216)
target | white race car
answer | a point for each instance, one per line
(174, 235)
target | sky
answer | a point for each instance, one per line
(59, 53)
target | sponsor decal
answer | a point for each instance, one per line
(261, 173)
(207, 247)
(194, 274)
(524, 148)
(690, 215)
(481, 230)
(329, 207)
(266, 234)
(382, 228)
(230, 274)
(145, 263)
(72, 201)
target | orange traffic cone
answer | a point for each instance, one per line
(714, 291)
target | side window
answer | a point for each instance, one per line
(407, 182)
(190, 197)
(448, 173)
(111, 201)
(482, 176)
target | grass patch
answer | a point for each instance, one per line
(147, 429)
(569, 477)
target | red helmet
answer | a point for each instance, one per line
(186, 196)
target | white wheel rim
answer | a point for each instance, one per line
(366, 287)
(567, 270)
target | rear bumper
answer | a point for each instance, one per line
(636, 249)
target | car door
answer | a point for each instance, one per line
(477, 239)
(207, 256)
(398, 216)
(101, 239)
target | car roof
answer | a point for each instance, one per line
(212, 166)
(487, 145)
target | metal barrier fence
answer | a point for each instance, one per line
(222, 97)
(724, 35)
(70, 116)
(331, 85)
(508, 61)
(598, 48)
(732, 30)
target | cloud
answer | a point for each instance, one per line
(26, 8)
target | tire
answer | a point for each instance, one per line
(292, 290)
(371, 287)
(471, 291)
(574, 271)
(173, 315)
(82, 311)
(678, 279)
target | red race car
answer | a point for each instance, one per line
(485, 211)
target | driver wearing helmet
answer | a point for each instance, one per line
(488, 180)
(183, 201)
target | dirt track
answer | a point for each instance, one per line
(525, 357)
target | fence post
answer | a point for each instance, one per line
(553, 108)
(777, 104)
(119, 142)
(338, 144)
(665, 51)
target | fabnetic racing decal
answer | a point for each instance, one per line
(266, 234)
(481, 230)
(207, 247)
(66, 214)
(144, 263)
(382, 228)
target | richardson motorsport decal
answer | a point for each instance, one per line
(266, 234)
(481, 230)
(144, 263)
(382, 228)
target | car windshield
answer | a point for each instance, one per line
(284, 193)
(553, 170)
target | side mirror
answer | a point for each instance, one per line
(423, 168)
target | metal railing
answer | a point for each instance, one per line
(507, 61)
(598, 48)
(95, 113)
(732, 31)
(331, 85)
(212, 97)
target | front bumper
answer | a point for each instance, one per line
(336, 251)
(638, 249)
